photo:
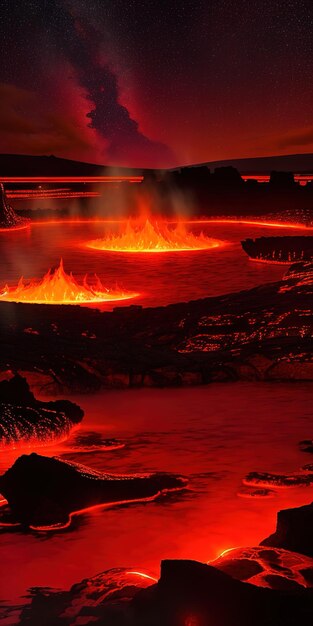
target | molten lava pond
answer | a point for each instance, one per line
(214, 435)
(159, 278)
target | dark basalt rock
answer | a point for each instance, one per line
(8, 217)
(265, 479)
(45, 491)
(294, 530)
(23, 418)
(259, 334)
(188, 594)
(279, 249)
(193, 594)
(306, 446)
(267, 567)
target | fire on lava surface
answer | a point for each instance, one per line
(58, 287)
(154, 237)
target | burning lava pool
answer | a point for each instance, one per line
(160, 279)
(154, 237)
(58, 287)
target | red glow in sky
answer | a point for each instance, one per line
(211, 81)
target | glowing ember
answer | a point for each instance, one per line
(155, 237)
(57, 287)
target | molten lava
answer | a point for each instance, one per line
(156, 237)
(58, 287)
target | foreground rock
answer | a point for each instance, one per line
(267, 567)
(259, 334)
(43, 491)
(23, 418)
(294, 530)
(188, 594)
(258, 586)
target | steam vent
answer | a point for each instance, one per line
(8, 217)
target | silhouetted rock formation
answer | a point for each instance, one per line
(282, 180)
(227, 177)
(8, 217)
(279, 249)
(260, 334)
(23, 418)
(188, 593)
(44, 491)
(293, 530)
(200, 594)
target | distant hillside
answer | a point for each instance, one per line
(297, 163)
(26, 165)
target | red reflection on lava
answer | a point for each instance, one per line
(57, 287)
(11, 229)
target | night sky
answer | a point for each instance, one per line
(156, 83)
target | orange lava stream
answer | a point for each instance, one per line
(57, 287)
(156, 237)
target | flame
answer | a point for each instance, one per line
(57, 287)
(156, 237)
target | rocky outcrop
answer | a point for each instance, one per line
(188, 593)
(293, 530)
(191, 593)
(23, 418)
(266, 479)
(279, 249)
(43, 491)
(8, 217)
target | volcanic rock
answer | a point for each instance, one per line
(23, 418)
(306, 445)
(44, 491)
(267, 567)
(279, 249)
(294, 530)
(191, 593)
(265, 479)
(259, 334)
(8, 217)
(188, 594)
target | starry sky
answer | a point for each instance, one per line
(156, 83)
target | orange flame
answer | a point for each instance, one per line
(148, 237)
(57, 287)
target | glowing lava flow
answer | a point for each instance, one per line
(148, 237)
(57, 287)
